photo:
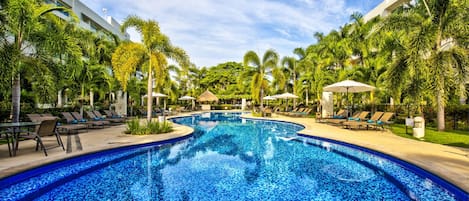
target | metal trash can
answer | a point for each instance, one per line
(419, 127)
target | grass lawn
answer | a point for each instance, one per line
(451, 138)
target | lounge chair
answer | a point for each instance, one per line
(359, 116)
(294, 111)
(341, 114)
(305, 112)
(383, 120)
(110, 119)
(74, 124)
(91, 122)
(46, 128)
(64, 128)
(376, 116)
(114, 115)
(94, 118)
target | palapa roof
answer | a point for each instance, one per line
(207, 96)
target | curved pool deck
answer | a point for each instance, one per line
(450, 163)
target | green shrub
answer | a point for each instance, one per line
(135, 128)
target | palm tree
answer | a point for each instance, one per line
(151, 54)
(304, 66)
(25, 20)
(431, 34)
(289, 65)
(259, 82)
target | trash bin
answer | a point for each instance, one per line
(161, 119)
(419, 127)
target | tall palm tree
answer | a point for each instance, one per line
(431, 33)
(289, 65)
(24, 18)
(259, 82)
(152, 54)
(304, 66)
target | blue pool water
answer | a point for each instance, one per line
(229, 158)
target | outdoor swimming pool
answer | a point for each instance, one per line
(229, 158)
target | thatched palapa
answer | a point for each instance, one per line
(207, 96)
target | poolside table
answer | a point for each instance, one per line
(12, 131)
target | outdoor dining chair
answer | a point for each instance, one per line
(47, 127)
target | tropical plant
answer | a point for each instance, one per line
(23, 26)
(149, 56)
(431, 38)
(134, 127)
(260, 69)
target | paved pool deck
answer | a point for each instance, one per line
(450, 163)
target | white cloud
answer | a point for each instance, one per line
(216, 31)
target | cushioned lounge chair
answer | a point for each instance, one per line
(375, 117)
(93, 123)
(305, 112)
(110, 119)
(94, 118)
(359, 116)
(113, 114)
(383, 120)
(341, 114)
(77, 125)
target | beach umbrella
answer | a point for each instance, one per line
(285, 96)
(269, 98)
(158, 95)
(348, 86)
(184, 98)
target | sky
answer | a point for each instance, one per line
(218, 31)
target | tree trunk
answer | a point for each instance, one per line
(91, 98)
(441, 110)
(16, 98)
(59, 99)
(149, 92)
(261, 101)
(307, 98)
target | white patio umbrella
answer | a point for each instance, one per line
(158, 95)
(286, 96)
(267, 98)
(184, 98)
(348, 86)
(187, 98)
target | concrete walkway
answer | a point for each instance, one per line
(450, 163)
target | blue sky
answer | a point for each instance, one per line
(217, 31)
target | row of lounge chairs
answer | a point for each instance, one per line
(359, 120)
(74, 121)
(297, 112)
(49, 125)
(156, 112)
